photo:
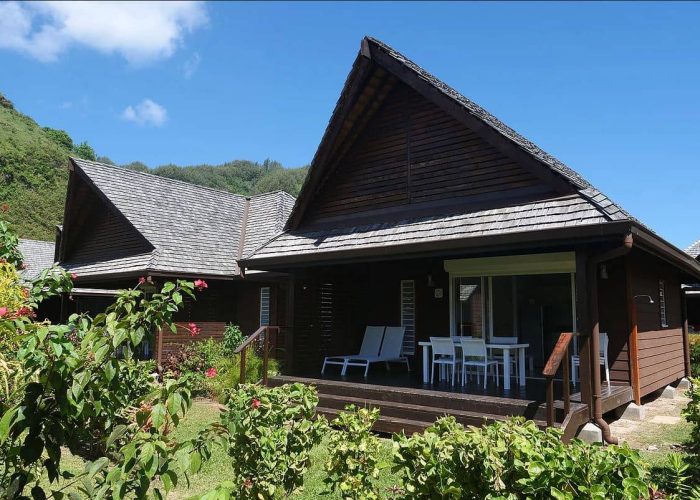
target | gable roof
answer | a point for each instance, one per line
(37, 256)
(694, 250)
(377, 57)
(578, 202)
(193, 230)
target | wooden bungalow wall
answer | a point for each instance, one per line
(614, 319)
(661, 349)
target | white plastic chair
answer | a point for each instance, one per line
(444, 354)
(576, 360)
(474, 353)
(371, 343)
(390, 351)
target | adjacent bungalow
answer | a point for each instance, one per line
(422, 210)
(692, 293)
(38, 256)
(120, 225)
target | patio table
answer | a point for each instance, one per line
(506, 348)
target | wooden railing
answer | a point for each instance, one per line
(559, 353)
(268, 345)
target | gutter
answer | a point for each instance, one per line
(592, 270)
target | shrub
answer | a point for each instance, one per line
(353, 452)
(233, 337)
(695, 354)
(270, 434)
(513, 459)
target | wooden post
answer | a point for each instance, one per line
(266, 353)
(584, 326)
(289, 322)
(686, 339)
(550, 401)
(159, 347)
(241, 378)
(566, 381)
(633, 345)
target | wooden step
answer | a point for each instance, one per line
(439, 400)
(387, 425)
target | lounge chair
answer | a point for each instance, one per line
(371, 343)
(390, 351)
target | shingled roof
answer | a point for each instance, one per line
(38, 256)
(694, 250)
(586, 206)
(193, 230)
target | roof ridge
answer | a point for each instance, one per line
(159, 177)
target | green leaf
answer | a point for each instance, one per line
(6, 423)
(158, 415)
(101, 352)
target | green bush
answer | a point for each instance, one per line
(233, 337)
(353, 452)
(513, 459)
(270, 434)
(695, 354)
(211, 370)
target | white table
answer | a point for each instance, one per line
(506, 348)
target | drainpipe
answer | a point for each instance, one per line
(593, 264)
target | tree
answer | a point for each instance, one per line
(105, 159)
(84, 151)
(137, 166)
(60, 137)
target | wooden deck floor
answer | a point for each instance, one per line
(406, 404)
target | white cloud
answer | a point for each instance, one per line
(139, 31)
(191, 65)
(146, 112)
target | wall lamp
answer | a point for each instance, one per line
(651, 301)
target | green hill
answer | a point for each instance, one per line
(33, 167)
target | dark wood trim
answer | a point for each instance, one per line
(686, 339)
(633, 335)
(584, 330)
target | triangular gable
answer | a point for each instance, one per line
(377, 71)
(94, 230)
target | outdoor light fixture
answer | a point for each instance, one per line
(603, 272)
(431, 283)
(651, 301)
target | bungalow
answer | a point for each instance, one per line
(692, 293)
(120, 225)
(421, 210)
(38, 256)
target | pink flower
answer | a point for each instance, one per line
(142, 280)
(3, 311)
(194, 329)
(25, 311)
(255, 404)
(200, 285)
(73, 276)
(211, 372)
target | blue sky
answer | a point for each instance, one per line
(611, 89)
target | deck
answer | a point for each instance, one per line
(408, 405)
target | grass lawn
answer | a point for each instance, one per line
(217, 468)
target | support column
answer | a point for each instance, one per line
(289, 323)
(633, 343)
(686, 340)
(583, 323)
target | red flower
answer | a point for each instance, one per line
(24, 311)
(3, 311)
(142, 280)
(5, 207)
(248, 484)
(194, 329)
(211, 372)
(255, 404)
(73, 276)
(200, 285)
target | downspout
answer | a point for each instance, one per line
(593, 264)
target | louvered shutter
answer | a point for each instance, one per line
(408, 315)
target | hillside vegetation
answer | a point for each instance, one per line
(34, 173)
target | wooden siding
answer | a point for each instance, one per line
(661, 351)
(173, 342)
(612, 297)
(413, 153)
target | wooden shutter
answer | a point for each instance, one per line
(408, 315)
(265, 306)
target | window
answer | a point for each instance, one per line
(265, 306)
(662, 304)
(467, 311)
(408, 316)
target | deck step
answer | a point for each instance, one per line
(438, 401)
(387, 425)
